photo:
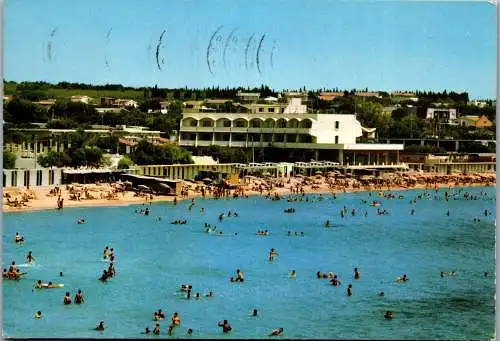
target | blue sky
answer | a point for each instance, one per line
(385, 45)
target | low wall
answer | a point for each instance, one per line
(455, 167)
(32, 177)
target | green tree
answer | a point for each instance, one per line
(372, 115)
(9, 159)
(146, 153)
(23, 111)
(125, 162)
(54, 159)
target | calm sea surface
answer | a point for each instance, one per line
(154, 258)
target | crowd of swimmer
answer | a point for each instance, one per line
(13, 273)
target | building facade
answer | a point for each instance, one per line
(277, 125)
(444, 115)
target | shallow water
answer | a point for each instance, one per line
(155, 257)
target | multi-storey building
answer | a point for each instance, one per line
(284, 125)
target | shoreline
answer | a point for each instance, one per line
(42, 202)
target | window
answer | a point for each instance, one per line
(271, 110)
(336, 139)
(4, 180)
(337, 124)
(38, 177)
(13, 180)
(261, 109)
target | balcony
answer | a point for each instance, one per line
(222, 129)
(221, 143)
(205, 129)
(189, 129)
(183, 142)
(240, 144)
(239, 129)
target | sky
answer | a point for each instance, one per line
(285, 44)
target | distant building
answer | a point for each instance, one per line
(248, 96)
(164, 107)
(330, 96)
(125, 103)
(108, 101)
(479, 103)
(474, 121)
(367, 94)
(45, 140)
(444, 115)
(47, 103)
(403, 94)
(82, 99)
(303, 95)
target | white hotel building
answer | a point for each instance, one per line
(280, 125)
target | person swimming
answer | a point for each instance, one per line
(81, 221)
(79, 297)
(19, 239)
(5, 274)
(276, 332)
(147, 331)
(190, 332)
(389, 315)
(226, 327)
(156, 330)
(335, 281)
(381, 293)
(67, 298)
(254, 312)
(100, 326)
(176, 320)
(197, 296)
(30, 257)
(104, 277)
(61, 274)
(293, 274)
(210, 294)
(39, 284)
(106, 252)
(38, 315)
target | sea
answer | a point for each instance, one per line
(154, 258)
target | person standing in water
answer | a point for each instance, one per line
(30, 257)
(357, 275)
(67, 298)
(349, 290)
(79, 297)
(272, 254)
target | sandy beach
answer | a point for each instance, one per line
(44, 198)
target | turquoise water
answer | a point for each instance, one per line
(155, 257)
